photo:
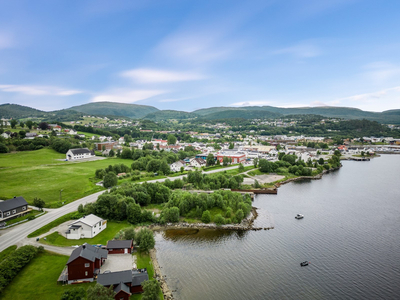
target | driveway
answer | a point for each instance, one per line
(119, 262)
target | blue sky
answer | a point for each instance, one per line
(186, 55)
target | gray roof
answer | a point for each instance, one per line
(12, 203)
(88, 252)
(118, 244)
(114, 278)
(135, 277)
(138, 278)
(81, 151)
(122, 287)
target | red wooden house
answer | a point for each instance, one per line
(120, 247)
(85, 262)
(125, 283)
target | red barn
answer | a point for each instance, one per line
(120, 247)
(84, 262)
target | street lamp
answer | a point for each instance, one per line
(60, 194)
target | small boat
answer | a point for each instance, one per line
(299, 216)
(304, 263)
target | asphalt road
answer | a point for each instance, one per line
(15, 235)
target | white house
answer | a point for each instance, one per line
(198, 162)
(5, 135)
(86, 227)
(176, 166)
(79, 153)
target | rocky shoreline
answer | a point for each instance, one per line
(159, 277)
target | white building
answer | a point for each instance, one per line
(79, 153)
(86, 227)
(176, 166)
(198, 162)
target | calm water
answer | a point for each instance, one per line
(350, 234)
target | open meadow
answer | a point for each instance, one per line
(39, 174)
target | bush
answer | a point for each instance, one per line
(206, 217)
(145, 239)
(129, 233)
(110, 180)
(10, 267)
(219, 220)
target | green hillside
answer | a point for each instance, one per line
(170, 114)
(133, 111)
(387, 117)
(242, 113)
(18, 111)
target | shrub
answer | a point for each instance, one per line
(206, 217)
(219, 219)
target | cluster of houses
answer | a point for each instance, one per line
(85, 265)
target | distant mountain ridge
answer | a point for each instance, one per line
(136, 111)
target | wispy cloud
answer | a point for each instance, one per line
(157, 76)
(376, 101)
(36, 90)
(127, 96)
(304, 49)
(251, 103)
(380, 72)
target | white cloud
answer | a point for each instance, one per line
(152, 75)
(251, 103)
(303, 50)
(35, 90)
(380, 72)
(376, 101)
(127, 96)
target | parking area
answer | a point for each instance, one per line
(119, 262)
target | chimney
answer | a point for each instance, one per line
(83, 246)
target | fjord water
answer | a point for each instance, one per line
(350, 234)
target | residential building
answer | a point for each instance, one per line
(84, 263)
(120, 247)
(125, 282)
(176, 166)
(86, 227)
(13, 208)
(198, 162)
(79, 153)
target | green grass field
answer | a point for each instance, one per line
(38, 280)
(31, 213)
(103, 237)
(38, 174)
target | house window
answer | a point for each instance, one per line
(7, 213)
(86, 273)
(87, 265)
(23, 207)
(14, 211)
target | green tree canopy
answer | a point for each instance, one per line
(110, 179)
(151, 290)
(99, 292)
(145, 239)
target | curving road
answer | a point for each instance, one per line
(16, 234)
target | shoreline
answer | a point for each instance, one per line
(246, 224)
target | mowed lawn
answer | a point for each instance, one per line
(38, 280)
(103, 237)
(33, 174)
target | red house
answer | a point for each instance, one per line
(125, 283)
(85, 262)
(120, 247)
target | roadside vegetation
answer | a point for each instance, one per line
(6, 252)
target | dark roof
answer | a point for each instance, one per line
(88, 252)
(12, 203)
(118, 244)
(80, 151)
(138, 278)
(122, 287)
(135, 277)
(114, 278)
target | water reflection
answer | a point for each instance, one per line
(203, 235)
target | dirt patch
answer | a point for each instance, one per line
(268, 178)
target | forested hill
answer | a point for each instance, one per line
(170, 114)
(16, 111)
(133, 111)
(388, 117)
